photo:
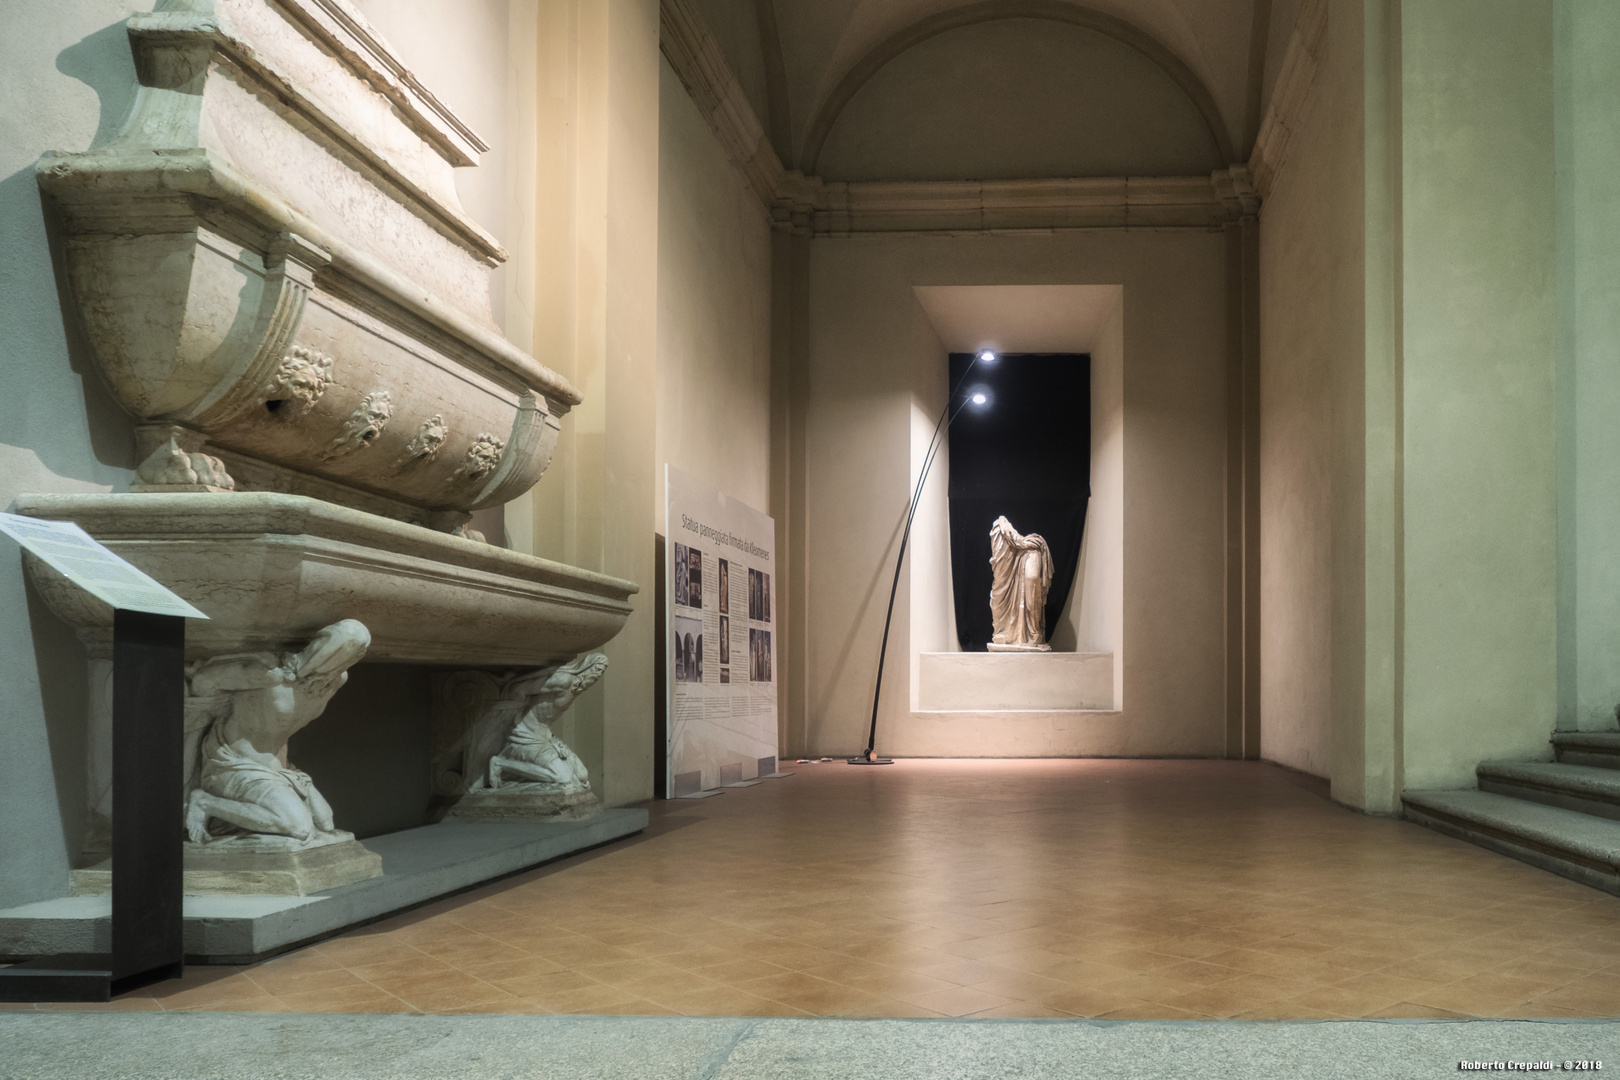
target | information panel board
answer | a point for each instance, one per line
(720, 579)
(74, 554)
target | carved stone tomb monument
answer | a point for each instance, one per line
(275, 277)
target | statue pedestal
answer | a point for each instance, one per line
(259, 866)
(526, 802)
(419, 865)
(1010, 680)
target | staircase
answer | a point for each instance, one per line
(1562, 816)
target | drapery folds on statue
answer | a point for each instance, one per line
(1021, 569)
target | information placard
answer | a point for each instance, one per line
(720, 574)
(74, 554)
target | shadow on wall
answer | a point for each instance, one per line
(64, 681)
(876, 591)
(103, 62)
(41, 317)
(370, 752)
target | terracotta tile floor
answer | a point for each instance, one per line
(1120, 889)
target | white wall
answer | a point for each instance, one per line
(1587, 137)
(1479, 342)
(1304, 265)
(867, 333)
(1093, 619)
(928, 561)
(66, 82)
(714, 310)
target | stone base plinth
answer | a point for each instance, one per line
(525, 802)
(258, 866)
(418, 865)
(1015, 681)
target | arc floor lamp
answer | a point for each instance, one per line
(946, 416)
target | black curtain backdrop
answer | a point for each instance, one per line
(1025, 453)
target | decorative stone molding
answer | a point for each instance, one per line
(268, 569)
(962, 206)
(300, 379)
(696, 57)
(808, 205)
(1234, 188)
(364, 426)
(337, 25)
(424, 445)
(793, 208)
(481, 458)
(274, 235)
(169, 468)
(1291, 97)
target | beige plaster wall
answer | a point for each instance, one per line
(1306, 251)
(927, 572)
(1587, 142)
(596, 312)
(1479, 345)
(66, 83)
(714, 311)
(873, 364)
(1093, 618)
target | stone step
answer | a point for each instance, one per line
(1578, 846)
(1597, 748)
(1586, 789)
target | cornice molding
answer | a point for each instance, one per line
(1177, 202)
(696, 57)
(1291, 98)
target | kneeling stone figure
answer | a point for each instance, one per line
(535, 755)
(534, 774)
(240, 712)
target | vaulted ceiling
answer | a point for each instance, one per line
(936, 89)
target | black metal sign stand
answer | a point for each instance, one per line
(147, 918)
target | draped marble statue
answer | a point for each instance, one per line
(1021, 569)
(240, 711)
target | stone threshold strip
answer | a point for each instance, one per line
(224, 1046)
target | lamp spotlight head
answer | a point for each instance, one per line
(987, 356)
(979, 399)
